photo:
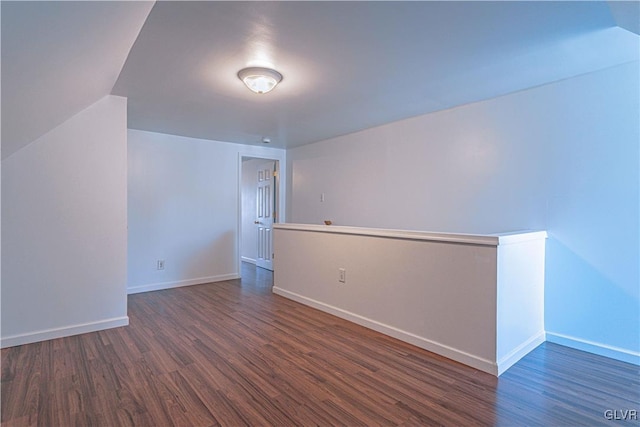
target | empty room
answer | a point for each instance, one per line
(320, 213)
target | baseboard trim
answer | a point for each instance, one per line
(66, 331)
(249, 260)
(427, 344)
(519, 352)
(180, 283)
(600, 349)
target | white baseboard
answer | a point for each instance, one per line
(600, 349)
(427, 344)
(249, 260)
(180, 283)
(519, 352)
(66, 331)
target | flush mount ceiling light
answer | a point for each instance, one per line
(260, 80)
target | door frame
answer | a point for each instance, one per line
(279, 189)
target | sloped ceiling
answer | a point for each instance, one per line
(58, 58)
(351, 65)
(346, 65)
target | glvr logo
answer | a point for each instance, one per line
(621, 414)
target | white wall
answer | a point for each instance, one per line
(184, 208)
(562, 157)
(64, 217)
(415, 290)
(460, 296)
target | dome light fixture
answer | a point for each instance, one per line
(259, 79)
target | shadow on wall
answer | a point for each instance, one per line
(218, 257)
(600, 307)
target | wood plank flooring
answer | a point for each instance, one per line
(231, 353)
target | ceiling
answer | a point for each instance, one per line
(347, 66)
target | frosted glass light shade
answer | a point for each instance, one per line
(260, 80)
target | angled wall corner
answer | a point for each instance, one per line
(59, 58)
(626, 15)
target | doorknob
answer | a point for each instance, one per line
(256, 222)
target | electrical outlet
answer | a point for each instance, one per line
(342, 275)
(322, 197)
(160, 264)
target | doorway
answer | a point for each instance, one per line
(259, 187)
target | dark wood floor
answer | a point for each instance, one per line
(232, 353)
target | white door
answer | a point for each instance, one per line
(265, 213)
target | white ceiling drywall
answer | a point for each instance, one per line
(346, 65)
(351, 65)
(58, 58)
